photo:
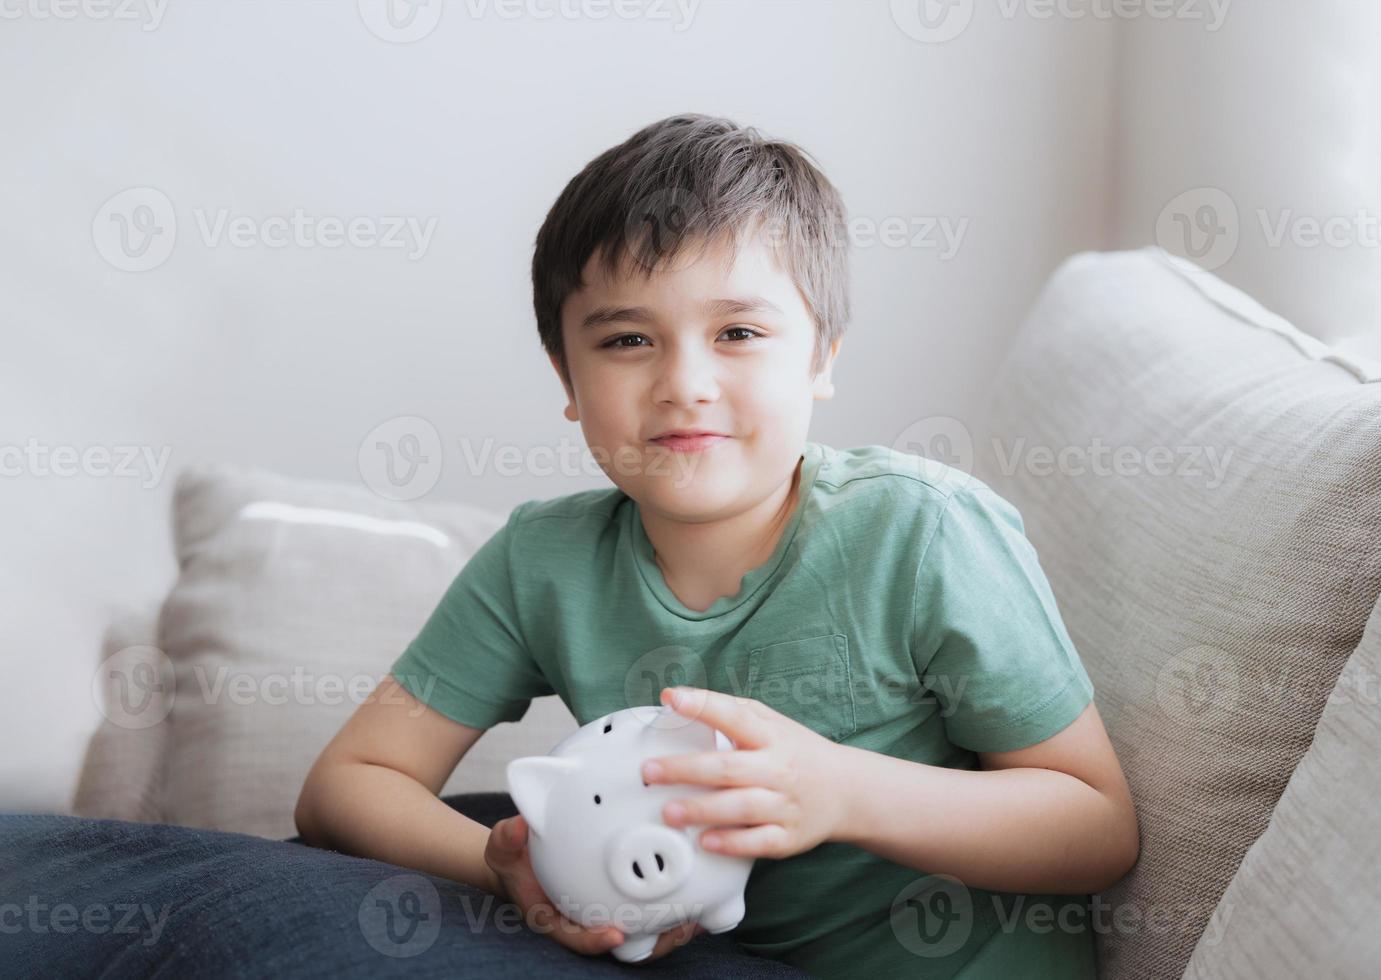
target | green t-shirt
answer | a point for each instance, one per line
(903, 611)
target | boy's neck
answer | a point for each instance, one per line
(707, 561)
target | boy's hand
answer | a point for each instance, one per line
(786, 780)
(507, 855)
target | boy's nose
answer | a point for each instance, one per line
(686, 377)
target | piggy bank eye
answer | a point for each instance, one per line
(608, 727)
(596, 799)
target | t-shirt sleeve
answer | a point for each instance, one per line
(987, 637)
(469, 661)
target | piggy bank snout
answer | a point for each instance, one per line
(648, 862)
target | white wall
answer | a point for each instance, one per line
(288, 357)
(1265, 135)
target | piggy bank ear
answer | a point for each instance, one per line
(530, 782)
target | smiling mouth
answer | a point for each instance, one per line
(690, 444)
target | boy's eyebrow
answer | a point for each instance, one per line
(712, 308)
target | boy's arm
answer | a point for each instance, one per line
(1054, 817)
(373, 791)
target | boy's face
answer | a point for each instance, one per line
(678, 357)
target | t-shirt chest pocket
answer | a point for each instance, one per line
(808, 680)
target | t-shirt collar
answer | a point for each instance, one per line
(811, 457)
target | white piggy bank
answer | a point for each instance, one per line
(598, 843)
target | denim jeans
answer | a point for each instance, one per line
(83, 897)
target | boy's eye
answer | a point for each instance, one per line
(748, 330)
(617, 342)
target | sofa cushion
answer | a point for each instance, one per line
(1204, 492)
(292, 601)
(1307, 892)
(122, 773)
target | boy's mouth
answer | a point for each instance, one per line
(688, 440)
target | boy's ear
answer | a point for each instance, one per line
(823, 387)
(571, 412)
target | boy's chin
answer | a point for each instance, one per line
(691, 500)
(670, 472)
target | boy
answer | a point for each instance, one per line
(920, 770)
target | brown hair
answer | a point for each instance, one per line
(694, 178)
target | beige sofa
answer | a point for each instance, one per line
(1201, 481)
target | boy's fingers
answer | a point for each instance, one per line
(672, 938)
(587, 940)
(509, 834)
(682, 935)
(593, 941)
